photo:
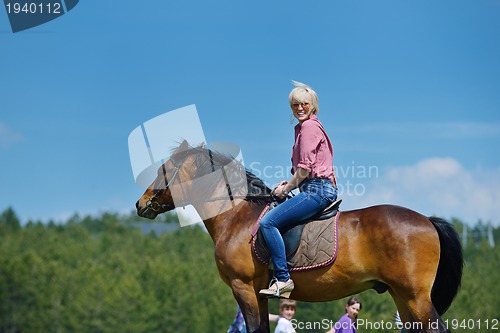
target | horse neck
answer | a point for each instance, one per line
(242, 217)
(219, 211)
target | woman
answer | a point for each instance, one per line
(347, 323)
(312, 170)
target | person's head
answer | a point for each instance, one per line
(353, 307)
(287, 308)
(303, 101)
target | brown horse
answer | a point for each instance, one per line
(387, 248)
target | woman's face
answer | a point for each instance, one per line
(353, 310)
(302, 109)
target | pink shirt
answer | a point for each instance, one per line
(313, 150)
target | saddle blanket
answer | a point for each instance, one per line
(308, 246)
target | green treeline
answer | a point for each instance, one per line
(103, 274)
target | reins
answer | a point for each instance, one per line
(153, 204)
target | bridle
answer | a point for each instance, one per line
(154, 205)
(152, 202)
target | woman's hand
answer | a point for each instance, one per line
(279, 191)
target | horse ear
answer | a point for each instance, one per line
(183, 146)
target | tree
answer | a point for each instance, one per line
(10, 220)
(101, 274)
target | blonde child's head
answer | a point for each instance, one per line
(287, 308)
(287, 302)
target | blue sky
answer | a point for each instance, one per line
(409, 93)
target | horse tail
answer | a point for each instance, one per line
(451, 262)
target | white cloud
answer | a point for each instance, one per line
(7, 136)
(435, 186)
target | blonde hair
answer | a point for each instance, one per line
(301, 92)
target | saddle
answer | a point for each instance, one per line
(309, 245)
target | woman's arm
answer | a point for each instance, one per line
(284, 187)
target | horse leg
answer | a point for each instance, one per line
(404, 312)
(418, 313)
(423, 311)
(254, 308)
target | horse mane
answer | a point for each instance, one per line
(207, 161)
(258, 191)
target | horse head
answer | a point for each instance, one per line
(158, 198)
(210, 181)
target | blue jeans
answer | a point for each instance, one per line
(315, 195)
